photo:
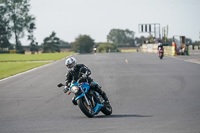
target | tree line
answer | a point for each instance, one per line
(16, 22)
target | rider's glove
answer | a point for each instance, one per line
(66, 89)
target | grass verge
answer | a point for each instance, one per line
(33, 57)
(11, 64)
(11, 68)
(128, 50)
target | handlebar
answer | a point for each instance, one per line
(66, 88)
(61, 84)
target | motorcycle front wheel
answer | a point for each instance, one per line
(161, 56)
(85, 108)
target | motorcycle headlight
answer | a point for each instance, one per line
(74, 89)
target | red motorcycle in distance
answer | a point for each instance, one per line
(161, 52)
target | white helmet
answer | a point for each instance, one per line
(70, 63)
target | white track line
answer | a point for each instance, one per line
(186, 60)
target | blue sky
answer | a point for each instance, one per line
(70, 18)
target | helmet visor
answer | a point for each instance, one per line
(70, 65)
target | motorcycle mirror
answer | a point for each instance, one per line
(60, 85)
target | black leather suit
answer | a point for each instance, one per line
(77, 73)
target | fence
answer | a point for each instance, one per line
(153, 48)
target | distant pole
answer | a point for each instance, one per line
(159, 32)
(155, 30)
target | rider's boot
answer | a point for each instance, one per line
(103, 94)
(105, 98)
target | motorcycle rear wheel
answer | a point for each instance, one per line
(107, 110)
(85, 108)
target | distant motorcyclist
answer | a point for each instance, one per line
(76, 71)
(160, 46)
(160, 50)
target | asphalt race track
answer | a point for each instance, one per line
(148, 95)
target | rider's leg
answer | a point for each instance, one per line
(97, 88)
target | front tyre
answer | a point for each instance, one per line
(85, 108)
(107, 110)
(161, 56)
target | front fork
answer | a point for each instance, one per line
(86, 99)
(74, 99)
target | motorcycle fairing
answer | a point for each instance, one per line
(98, 108)
(85, 87)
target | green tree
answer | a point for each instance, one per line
(64, 44)
(33, 45)
(105, 47)
(140, 40)
(17, 11)
(121, 37)
(51, 43)
(4, 42)
(83, 44)
(4, 28)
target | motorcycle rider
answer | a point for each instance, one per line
(75, 71)
(160, 47)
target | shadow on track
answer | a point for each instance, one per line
(120, 116)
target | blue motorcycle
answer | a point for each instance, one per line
(89, 101)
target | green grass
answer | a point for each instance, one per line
(11, 64)
(11, 68)
(34, 57)
(128, 50)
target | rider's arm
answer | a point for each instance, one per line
(67, 82)
(88, 71)
(84, 70)
(68, 78)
